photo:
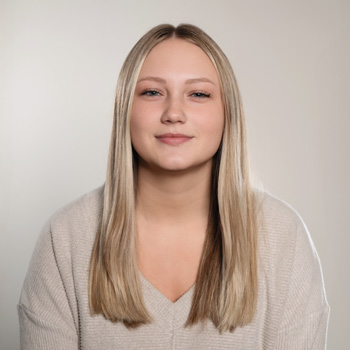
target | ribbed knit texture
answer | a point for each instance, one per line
(292, 311)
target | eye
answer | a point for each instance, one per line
(200, 94)
(150, 93)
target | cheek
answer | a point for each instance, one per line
(217, 137)
(137, 122)
(141, 132)
(135, 131)
(214, 126)
(142, 119)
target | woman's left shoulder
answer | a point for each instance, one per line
(284, 243)
(279, 224)
(275, 211)
(291, 266)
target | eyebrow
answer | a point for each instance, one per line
(199, 80)
(188, 81)
(157, 79)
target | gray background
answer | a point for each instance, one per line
(59, 64)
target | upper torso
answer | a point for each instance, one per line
(291, 309)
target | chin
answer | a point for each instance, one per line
(175, 164)
(177, 167)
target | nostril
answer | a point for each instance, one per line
(173, 114)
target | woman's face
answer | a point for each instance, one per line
(177, 116)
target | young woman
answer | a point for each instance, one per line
(176, 251)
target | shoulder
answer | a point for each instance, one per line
(59, 266)
(273, 210)
(86, 207)
(72, 229)
(284, 242)
(79, 216)
(288, 259)
(69, 234)
(279, 225)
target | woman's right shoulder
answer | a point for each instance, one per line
(69, 234)
(58, 267)
(87, 207)
(78, 219)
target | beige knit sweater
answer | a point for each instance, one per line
(292, 311)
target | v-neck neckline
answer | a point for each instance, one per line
(167, 314)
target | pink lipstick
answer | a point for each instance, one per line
(173, 139)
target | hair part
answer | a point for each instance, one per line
(226, 284)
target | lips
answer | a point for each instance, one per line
(173, 139)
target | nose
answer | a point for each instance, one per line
(173, 111)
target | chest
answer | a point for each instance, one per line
(170, 263)
(167, 331)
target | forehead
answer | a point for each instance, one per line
(180, 56)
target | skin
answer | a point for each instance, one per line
(177, 121)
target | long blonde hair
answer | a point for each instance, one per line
(226, 285)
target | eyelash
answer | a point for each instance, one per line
(198, 94)
(150, 93)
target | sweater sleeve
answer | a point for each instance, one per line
(305, 317)
(45, 314)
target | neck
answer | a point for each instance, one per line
(173, 196)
